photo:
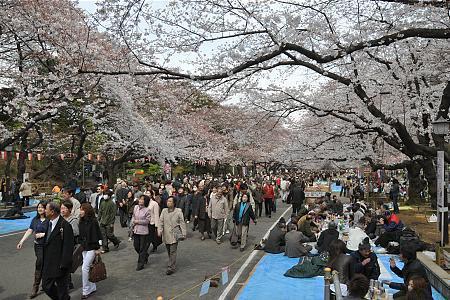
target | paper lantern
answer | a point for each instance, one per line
(61, 156)
(89, 156)
(30, 156)
(17, 155)
(39, 156)
(3, 155)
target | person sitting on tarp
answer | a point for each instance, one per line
(391, 222)
(294, 243)
(412, 267)
(356, 235)
(327, 236)
(15, 212)
(340, 261)
(305, 226)
(357, 287)
(365, 261)
(276, 241)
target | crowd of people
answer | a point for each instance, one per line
(344, 239)
(156, 212)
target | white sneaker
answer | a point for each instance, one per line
(187, 222)
(227, 232)
(130, 239)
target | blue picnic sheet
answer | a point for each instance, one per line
(268, 282)
(9, 226)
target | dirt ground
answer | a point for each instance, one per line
(417, 220)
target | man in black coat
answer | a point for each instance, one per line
(58, 250)
(365, 261)
(412, 267)
(327, 236)
(296, 197)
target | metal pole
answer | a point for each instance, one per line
(327, 278)
(337, 285)
(441, 209)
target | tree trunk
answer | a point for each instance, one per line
(414, 183)
(429, 170)
(110, 168)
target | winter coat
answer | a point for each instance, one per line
(167, 223)
(370, 270)
(411, 268)
(269, 192)
(90, 234)
(296, 196)
(107, 212)
(325, 239)
(238, 199)
(248, 214)
(141, 215)
(25, 189)
(304, 225)
(275, 242)
(200, 206)
(344, 265)
(308, 267)
(294, 244)
(355, 237)
(218, 207)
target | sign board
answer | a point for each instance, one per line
(314, 194)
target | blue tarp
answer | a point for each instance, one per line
(268, 282)
(8, 226)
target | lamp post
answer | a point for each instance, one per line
(441, 127)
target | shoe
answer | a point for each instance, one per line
(202, 238)
(227, 232)
(187, 222)
(139, 268)
(154, 249)
(70, 286)
(87, 296)
(218, 242)
(270, 216)
(104, 251)
(241, 249)
(130, 239)
(116, 246)
(169, 272)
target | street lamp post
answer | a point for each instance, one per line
(441, 127)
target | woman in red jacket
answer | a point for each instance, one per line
(268, 195)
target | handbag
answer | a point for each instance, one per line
(234, 238)
(97, 271)
(77, 258)
(177, 233)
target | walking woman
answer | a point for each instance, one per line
(38, 226)
(90, 237)
(155, 211)
(201, 214)
(66, 213)
(140, 222)
(172, 228)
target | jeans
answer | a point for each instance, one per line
(88, 258)
(123, 217)
(172, 252)
(217, 228)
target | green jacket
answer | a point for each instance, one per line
(107, 212)
(308, 267)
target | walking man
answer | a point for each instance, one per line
(58, 249)
(217, 211)
(106, 218)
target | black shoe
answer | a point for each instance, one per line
(70, 286)
(241, 249)
(169, 272)
(154, 249)
(116, 246)
(270, 216)
(139, 268)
